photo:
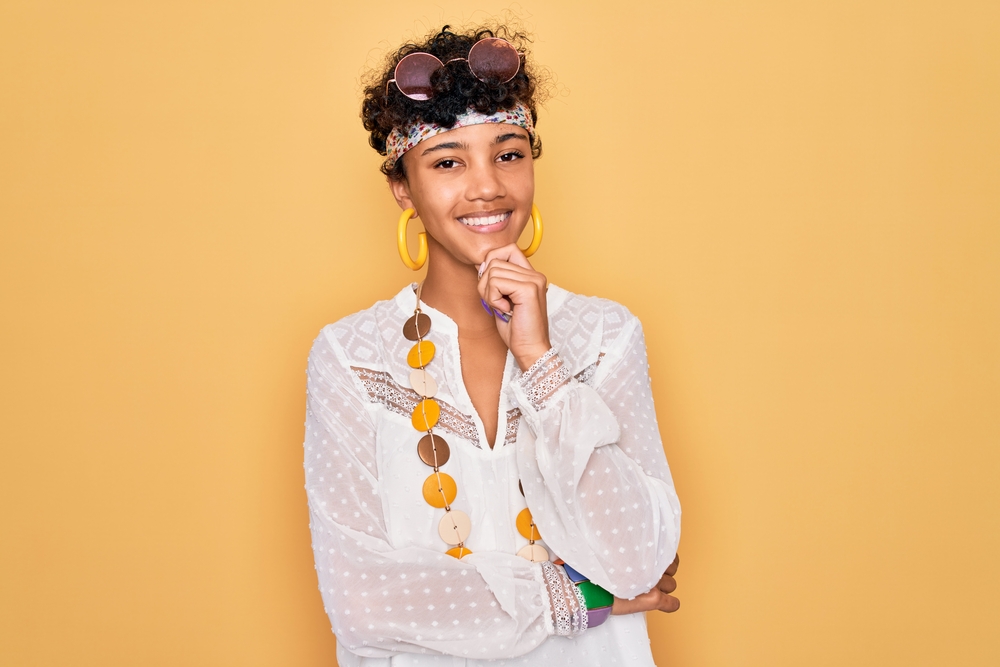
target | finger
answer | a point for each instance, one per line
(504, 269)
(654, 600)
(508, 253)
(669, 604)
(529, 280)
(672, 570)
(667, 584)
(497, 263)
(518, 291)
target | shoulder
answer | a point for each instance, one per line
(587, 328)
(361, 337)
(570, 307)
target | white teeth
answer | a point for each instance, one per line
(482, 222)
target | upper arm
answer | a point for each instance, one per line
(340, 443)
(623, 382)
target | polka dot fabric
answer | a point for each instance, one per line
(588, 454)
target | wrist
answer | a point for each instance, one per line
(526, 358)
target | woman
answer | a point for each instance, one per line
(465, 435)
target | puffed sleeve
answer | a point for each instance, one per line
(383, 600)
(593, 468)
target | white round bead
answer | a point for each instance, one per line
(455, 527)
(536, 553)
(423, 383)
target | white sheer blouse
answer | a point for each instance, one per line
(579, 432)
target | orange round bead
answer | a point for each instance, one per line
(426, 414)
(526, 526)
(420, 354)
(458, 552)
(440, 489)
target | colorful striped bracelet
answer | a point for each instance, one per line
(599, 601)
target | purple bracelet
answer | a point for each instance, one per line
(597, 616)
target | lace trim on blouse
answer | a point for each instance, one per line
(581, 605)
(383, 389)
(569, 611)
(586, 376)
(545, 377)
(513, 421)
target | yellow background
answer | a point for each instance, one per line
(800, 200)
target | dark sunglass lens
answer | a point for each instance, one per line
(494, 59)
(413, 75)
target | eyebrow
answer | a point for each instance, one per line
(508, 136)
(447, 146)
(452, 145)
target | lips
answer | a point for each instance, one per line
(485, 219)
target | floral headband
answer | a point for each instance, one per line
(401, 140)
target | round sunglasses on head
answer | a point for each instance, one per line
(492, 60)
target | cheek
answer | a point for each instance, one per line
(436, 212)
(526, 179)
(433, 198)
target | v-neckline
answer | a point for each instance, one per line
(453, 374)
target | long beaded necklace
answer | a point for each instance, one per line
(439, 488)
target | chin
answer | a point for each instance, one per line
(486, 249)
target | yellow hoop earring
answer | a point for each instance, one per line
(536, 239)
(404, 252)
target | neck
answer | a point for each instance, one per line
(452, 288)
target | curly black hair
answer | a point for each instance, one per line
(456, 89)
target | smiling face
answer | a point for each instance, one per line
(472, 188)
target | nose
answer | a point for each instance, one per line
(485, 182)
